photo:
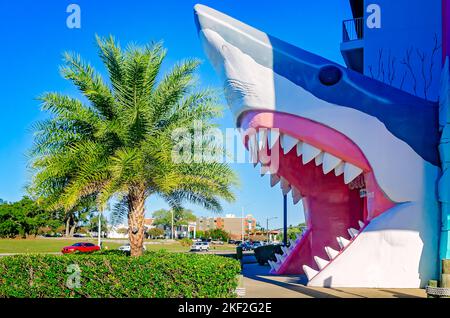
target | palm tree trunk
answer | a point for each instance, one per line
(136, 213)
(72, 230)
(67, 226)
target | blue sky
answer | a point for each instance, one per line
(33, 36)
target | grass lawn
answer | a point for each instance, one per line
(42, 245)
(54, 245)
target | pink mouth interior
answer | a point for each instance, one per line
(331, 207)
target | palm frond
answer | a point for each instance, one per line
(89, 82)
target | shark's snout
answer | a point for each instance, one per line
(260, 72)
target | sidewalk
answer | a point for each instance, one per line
(259, 284)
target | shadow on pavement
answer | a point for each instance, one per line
(293, 283)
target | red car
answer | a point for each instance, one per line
(80, 247)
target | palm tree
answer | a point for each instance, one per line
(115, 144)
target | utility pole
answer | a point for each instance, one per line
(242, 224)
(285, 220)
(195, 230)
(267, 227)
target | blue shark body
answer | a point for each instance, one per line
(398, 134)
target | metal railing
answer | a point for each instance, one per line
(352, 29)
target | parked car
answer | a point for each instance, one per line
(79, 235)
(80, 247)
(246, 246)
(200, 246)
(52, 235)
(256, 245)
(127, 248)
(231, 241)
(217, 242)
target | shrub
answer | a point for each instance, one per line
(217, 234)
(154, 275)
(186, 242)
(155, 232)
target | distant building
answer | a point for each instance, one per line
(118, 231)
(148, 223)
(235, 226)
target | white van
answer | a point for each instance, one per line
(200, 246)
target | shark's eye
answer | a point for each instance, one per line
(330, 75)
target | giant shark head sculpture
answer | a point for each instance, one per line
(360, 154)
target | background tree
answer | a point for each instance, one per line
(122, 231)
(217, 234)
(155, 233)
(181, 217)
(78, 215)
(119, 144)
(200, 234)
(93, 224)
(24, 218)
(293, 231)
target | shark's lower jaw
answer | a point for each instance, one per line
(330, 175)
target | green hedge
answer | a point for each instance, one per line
(156, 274)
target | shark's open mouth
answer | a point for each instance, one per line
(362, 155)
(343, 199)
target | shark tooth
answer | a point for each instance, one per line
(253, 150)
(361, 224)
(339, 169)
(319, 159)
(299, 148)
(285, 186)
(330, 162)
(321, 263)
(309, 152)
(310, 273)
(353, 232)
(275, 266)
(291, 243)
(274, 135)
(274, 179)
(342, 241)
(264, 169)
(351, 172)
(286, 250)
(262, 138)
(332, 253)
(279, 258)
(296, 195)
(287, 143)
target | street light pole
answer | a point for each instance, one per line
(242, 224)
(267, 226)
(285, 220)
(99, 230)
